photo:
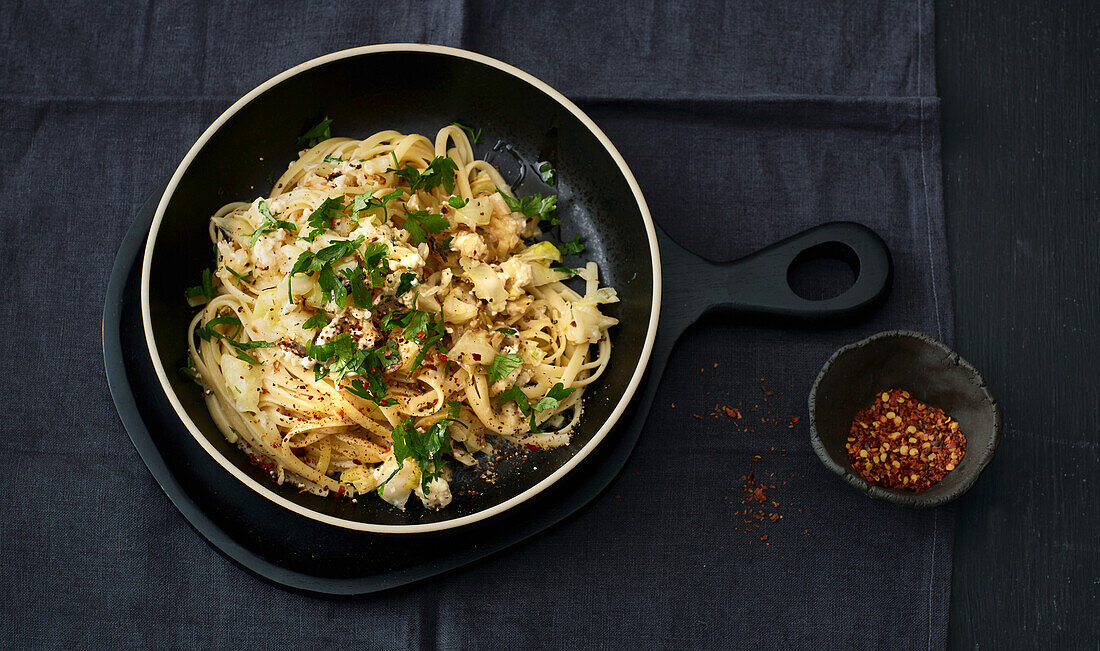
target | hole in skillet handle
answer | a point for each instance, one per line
(762, 281)
(823, 271)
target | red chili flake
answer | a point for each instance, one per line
(531, 447)
(899, 442)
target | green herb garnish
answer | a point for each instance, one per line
(441, 171)
(420, 222)
(191, 372)
(207, 332)
(535, 205)
(474, 137)
(310, 263)
(405, 283)
(426, 448)
(547, 173)
(206, 289)
(324, 217)
(367, 201)
(574, 247)
(360, 292)
(316, 322)
(319, 133)
(551, 400)
(268, 224)
(419, 327)
(240, 277)
(503, 365)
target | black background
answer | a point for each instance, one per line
(1020, 101)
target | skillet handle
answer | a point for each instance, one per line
(757, 283)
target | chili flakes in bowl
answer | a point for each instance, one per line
(900, 442)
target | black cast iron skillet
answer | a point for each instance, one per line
(598, 199)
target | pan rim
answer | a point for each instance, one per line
(527, 494)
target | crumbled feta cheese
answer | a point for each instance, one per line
(437, 496)
(470, 245)
(517, 273)
(329, 332)
(396, 490)
(233, 257)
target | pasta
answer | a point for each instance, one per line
(382, 314)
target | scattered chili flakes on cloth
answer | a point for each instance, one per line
(760, 507)
(900, 442)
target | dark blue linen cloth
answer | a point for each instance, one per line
(743, 121)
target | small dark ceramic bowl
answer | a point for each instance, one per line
(935, 375)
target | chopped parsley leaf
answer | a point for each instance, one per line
(360, 293)
(551, 400)
(575, 247)
(420, 222)
(458, 202)
(374, 255)
(324, 216)
(191, 372)
(553, 397)
(367, 201)
(507, 331)
(310, 263)
(240, 277)
(503, 365)
(547, 173)
(332, 159)
(346, 358)
(474, 137)
(426, 448)
(248, 345)
(405, 284)
(268, 224)
(535, 205)
(419, 327)
(208, 332)
(331, 287)
(341, 357)
(316, 322)
(441, 171)
(206, 289)
(319, 133)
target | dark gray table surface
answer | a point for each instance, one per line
(1020, 99)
